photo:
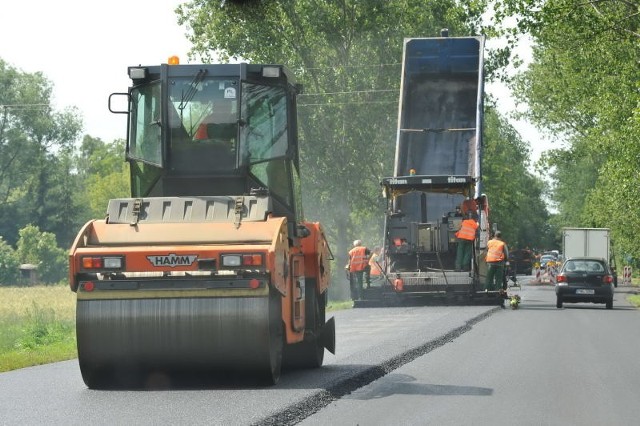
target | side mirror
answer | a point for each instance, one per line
(119, 103)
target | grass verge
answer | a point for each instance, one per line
(37, 326)
(634, 300)
(339, 305)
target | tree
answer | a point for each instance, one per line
(9, 264)
(35, 142)
(583, 85)
(575, 172)
(103, 175)
(515, 195)
(40, 248)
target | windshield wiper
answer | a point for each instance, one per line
(193, 89)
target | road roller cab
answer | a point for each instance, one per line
(209, 267)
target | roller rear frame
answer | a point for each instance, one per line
(185, 318)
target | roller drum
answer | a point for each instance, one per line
(168, 335)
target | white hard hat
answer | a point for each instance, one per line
(356, 243)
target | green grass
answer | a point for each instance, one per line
(37, 326)
(634, 300)
(45, 354)
(339, 305)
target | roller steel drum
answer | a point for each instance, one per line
(122, 339)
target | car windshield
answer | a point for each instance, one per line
(584, 266)
(546, 258)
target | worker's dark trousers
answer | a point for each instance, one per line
(495, 276)
(356, 282)
(463, 254)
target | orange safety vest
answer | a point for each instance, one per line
(358, 260)
(202, 133)
(375, 269)
(495, 251)
(467, 230)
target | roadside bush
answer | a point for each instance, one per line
(9, 264)
(40, 248)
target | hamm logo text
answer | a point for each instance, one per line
(172, 260)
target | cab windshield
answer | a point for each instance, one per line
(209, 128)
(212, 127)
(203, 124)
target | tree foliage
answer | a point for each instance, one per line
(583, 86)
(40, 248)
(35, 142)
(47, 181)
(103, 174)
(9, 263)
(516, 197)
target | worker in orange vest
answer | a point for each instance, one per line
(497, 255)
(469, 205)
(374, 265)
(358, 265)
(466, 235)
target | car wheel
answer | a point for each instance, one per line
(558, 302)
(609, 304)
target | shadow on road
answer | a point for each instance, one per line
(402, 384)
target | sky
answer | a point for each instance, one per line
(84, 49)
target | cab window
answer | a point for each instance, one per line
(145, 143)
(264, 115)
